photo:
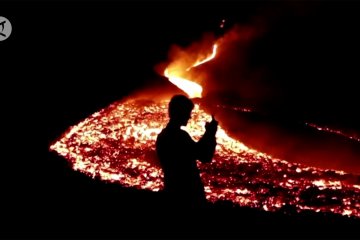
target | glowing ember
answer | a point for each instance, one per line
(222, 23)
(118, 144)
(338, 132)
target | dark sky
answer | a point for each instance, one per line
(78, 56)
(67, 59)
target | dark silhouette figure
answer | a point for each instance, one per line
(178, 154)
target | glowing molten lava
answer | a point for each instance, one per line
(175, 71)
(118, 145)
(353, 136)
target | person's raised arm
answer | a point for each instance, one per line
(205, 147)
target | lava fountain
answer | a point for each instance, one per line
(117, 144)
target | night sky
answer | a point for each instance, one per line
(68, 59)
(96, 53)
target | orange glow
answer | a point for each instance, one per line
(118, 145)
(207, 59)
(192, 89)
(175, 71)
(354, 137)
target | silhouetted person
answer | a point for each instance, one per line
(178, 154)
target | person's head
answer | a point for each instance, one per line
(180, 108)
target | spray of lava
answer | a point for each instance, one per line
(175, 72)
(118, 145)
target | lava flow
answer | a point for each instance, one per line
(118, 145)
(334, 131)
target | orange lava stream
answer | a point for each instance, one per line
(118, 145)
(174, 72)
(334, 131)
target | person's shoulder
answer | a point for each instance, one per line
(162, 134)
(184, 134)
(165, 133)
(173, 133)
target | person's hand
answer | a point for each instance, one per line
(211, 126)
